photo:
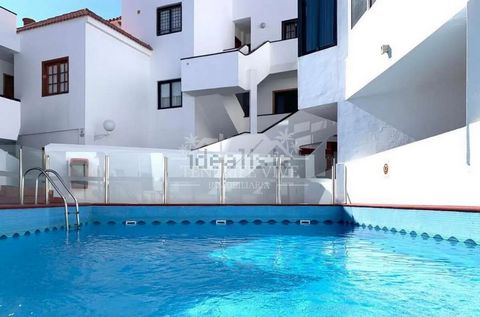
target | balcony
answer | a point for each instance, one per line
(8, 30)
(9, 118)
(384, 24)
(229, 72)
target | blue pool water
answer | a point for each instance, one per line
(236, 270)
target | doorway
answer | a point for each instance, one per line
(8, 86)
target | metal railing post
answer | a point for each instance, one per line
(46, 166)
(165, 180)
(106, 179)
(278, 197)
(222, 181)
(334, 180)
(345, 183)
(21, 179)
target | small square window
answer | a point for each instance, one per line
(289, 29)
(169, 94)
(169, 19)
(55, 77)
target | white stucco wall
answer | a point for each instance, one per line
(168, 49)
(117, 79)
(64, 112)
(321, 75)
(214, 30)
(419, 96)
(212, 118)
(262, 12)
(378, 123)
(430, 172)
(170, 127)
(386, 23)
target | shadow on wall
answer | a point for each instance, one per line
(420, 96)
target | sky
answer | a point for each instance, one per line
(42, 9)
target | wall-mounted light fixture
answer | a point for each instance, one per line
(109, 126)
(386, 169)
(387, 49)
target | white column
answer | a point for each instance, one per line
(473, 62)
(473, 82)
(253, 102)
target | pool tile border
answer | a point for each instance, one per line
(441, 226)
(456, 227)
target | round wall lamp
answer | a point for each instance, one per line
(109, 126)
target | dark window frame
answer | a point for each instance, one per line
(45, 76)
(284, 29)
(169, 8)
(302, 51)
(274, 99)
(159, 93)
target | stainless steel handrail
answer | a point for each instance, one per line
(42, 172)
(77, 209)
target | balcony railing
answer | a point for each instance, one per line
(228, 70)
(9, 98)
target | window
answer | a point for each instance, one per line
(317, 25)
(244, 100)
(285, 101)
(289, 29)
(169, 94)
(359, 7)
(169, 19)
(55, 77)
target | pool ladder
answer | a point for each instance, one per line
(47, 173)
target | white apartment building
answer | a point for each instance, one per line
(164, 72)
(403, 78)
(394, 85)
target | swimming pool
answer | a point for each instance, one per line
(246, 268)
